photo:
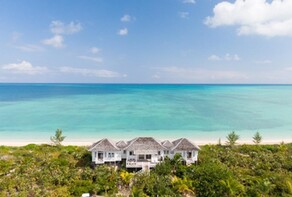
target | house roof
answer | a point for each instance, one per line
(121, 144)
(184, 144)
(144, 143)
(104, 145)
(167, 144)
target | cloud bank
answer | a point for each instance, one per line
(123, 32)
(92, 72)
(59, 29)
(24, 67)
(226, 57)
(254, 17)
(56, 41)
(200, 75)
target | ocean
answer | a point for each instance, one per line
(88, 112)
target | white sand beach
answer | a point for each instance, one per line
(90, 142)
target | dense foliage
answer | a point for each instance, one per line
(244, 170)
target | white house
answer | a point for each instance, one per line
(142, 152)
(105, 151)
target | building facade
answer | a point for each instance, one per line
(142, 152)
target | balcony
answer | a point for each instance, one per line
(140, 164)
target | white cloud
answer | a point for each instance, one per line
(156, 76)
(214, 58)
(229, 57)
(24, 67)
(94, 59)
(226, 57)
(58, 27)
(202, 75)
(127, 18)
(123, 32)
(95, 50)
(258, 17)
(288, 69)
(29, 48)
(189, 1)
(92, 72)
(184, 15)
(263, 62)
(16, 36)
(56, 41)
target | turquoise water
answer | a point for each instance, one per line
(87, 112)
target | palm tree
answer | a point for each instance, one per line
(257, 138)
(232, 138)
(182, 186)
(58, 138)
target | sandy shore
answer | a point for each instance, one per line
(88, 143)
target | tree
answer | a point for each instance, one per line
(58, 138)
(214, 179)
(182, 186)
(257, 138)
(232, 138)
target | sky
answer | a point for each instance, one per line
(146, 41)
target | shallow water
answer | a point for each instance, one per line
(87, 112)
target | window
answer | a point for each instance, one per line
(125, 151)
(166, 152)
(158, 152)
(111, 155)
(141, 157)
(94, 154)
(172, 152)
(148, 157)
(131, 153)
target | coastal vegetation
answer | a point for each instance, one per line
(58, 138)
(222, 170)
(232, 138)
(257, 138)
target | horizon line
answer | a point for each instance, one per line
(109, 83)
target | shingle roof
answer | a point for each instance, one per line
(121, 144)
(144, 143)
(167, 144)
(104, 145)
(184, 144)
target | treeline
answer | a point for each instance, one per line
(243, 170)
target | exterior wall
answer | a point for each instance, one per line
(107, 156)
(124, 154)
(132, 161)
(184, 154)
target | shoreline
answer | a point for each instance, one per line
(88, 143)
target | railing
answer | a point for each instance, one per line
(190, 160)
(106, 159)
(138, 164)
(99, 161)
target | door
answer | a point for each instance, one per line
(100, 156)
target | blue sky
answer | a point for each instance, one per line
(146, 41)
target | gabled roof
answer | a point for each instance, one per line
(104, 145)
(167, 144)
(121, 144)
(144, 143)
(184, 145)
